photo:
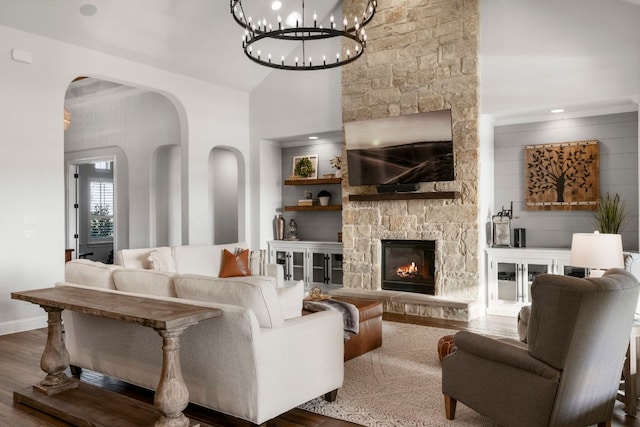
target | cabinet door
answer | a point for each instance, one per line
(325, 268)
(296, 266)
(530, 269)
(506, 283)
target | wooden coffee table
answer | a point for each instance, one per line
(82, 404)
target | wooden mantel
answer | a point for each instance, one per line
(434, 195)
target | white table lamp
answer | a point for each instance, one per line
(597, 252)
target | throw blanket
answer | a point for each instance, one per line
(350, 314)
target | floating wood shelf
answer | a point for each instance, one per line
(314, 208)
(447, 195)
(320, 181)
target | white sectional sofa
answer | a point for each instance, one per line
(255, 362)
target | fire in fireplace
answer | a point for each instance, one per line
(409, 265)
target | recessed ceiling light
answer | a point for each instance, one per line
(276, 5)
(313, 137)
(88, 9)
(557, 110)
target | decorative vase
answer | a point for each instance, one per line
(280, 227)
(338, 173)
(324, 200)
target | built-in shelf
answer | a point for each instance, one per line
(313, 208)
(447, 195)
(320, 181)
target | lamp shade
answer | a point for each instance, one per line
(597, 251)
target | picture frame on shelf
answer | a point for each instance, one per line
(305, 167)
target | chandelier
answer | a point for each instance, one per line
(271, 41)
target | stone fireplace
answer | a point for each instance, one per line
(409, 265)
(421, 56)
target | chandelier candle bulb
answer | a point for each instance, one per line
(333, 24)
(315, 19)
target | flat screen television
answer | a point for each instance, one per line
(400, 150)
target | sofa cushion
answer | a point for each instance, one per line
(139, 258)
(234, 264)
(257, 293)
(202, 259)
(149, 282)
(90, 273)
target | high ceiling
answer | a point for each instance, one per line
(520, 58)
(198, 38)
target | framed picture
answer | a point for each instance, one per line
(564, 176)
(305, 167)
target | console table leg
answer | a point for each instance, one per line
(172, 395)
(55, 358)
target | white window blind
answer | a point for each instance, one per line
(101, 210)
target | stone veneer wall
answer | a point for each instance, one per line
(422, 55)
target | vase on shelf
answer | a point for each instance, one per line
(279, 227)
(338, 173)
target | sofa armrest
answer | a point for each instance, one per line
(277, 271)
(505, 352)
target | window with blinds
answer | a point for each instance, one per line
(101, 224)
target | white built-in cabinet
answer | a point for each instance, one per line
(316, 263)
(512, 270)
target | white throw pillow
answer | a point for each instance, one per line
(291, 299)
(258, 262)
(161, 260)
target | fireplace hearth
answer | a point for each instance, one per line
(409, 265)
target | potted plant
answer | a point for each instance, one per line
(610, 214)
(336, 162)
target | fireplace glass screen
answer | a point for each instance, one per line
(408, 265)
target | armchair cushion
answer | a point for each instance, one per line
(291, 299)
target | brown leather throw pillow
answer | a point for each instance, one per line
(234, 265)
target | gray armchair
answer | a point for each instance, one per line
(568, 372)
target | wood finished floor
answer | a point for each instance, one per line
(20, 359)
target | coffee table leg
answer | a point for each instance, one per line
(55, 358)
(172, 395)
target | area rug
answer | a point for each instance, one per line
(397, 385)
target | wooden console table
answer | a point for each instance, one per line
(81, 404)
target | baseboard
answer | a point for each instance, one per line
(22, 325)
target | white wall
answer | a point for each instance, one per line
(32, 155)
(548, 53)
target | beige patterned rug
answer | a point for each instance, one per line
(397, 385)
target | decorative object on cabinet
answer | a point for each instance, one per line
(292, 231)
(520, 238)
(501, 229)
(610, 214)
(564, 176)
(279, 227)
(324, 196)
(305, 167)
(597, 252)
(336, 163)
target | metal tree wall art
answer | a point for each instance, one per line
(564, 176)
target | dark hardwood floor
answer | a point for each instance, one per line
(20, 360)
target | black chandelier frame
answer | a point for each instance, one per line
(301, 33)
